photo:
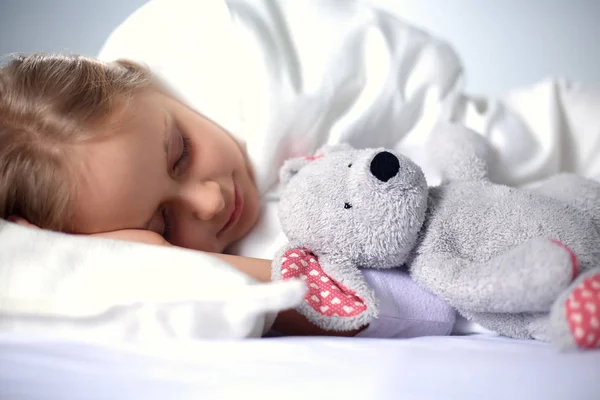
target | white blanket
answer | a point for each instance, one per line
(301, 74)
(285, 77)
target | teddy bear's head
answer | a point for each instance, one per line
(361, 206)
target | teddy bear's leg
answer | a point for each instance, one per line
(527, 278)
(575, 316)
(575, 190)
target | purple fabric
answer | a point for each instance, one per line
(405, 309)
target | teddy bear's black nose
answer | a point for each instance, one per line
(385, 166)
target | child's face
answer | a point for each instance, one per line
(171, 171)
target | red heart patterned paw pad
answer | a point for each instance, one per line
(583, 312)
(325, 296)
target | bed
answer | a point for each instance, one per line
(471, 367)
(63, 335)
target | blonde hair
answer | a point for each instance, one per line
(49, 102)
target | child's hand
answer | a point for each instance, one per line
(135, 235)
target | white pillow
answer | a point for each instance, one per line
(110, 290)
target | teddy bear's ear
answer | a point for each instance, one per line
(291, 167)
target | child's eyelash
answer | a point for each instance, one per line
(167, 225)
(184, 153)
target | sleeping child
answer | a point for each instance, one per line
(104, 149)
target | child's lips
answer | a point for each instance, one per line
(236, 212)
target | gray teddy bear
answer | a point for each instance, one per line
(524, 263)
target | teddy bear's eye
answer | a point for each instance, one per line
(350, 165)
(347, 205)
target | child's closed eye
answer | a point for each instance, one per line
(183, 155)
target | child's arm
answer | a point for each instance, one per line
(257, 268)
(287, 323)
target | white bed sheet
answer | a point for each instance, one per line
(456, 367)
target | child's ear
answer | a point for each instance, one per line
(291, 167)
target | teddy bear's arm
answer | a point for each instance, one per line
(459, 153)
(527, 278)
(338, 297)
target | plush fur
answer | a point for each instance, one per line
(522, 262)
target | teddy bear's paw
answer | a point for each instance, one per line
(582, 311)
(325, 296)
(575, 316)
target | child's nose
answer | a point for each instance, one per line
(204, 199)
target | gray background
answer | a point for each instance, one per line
(503, 44)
